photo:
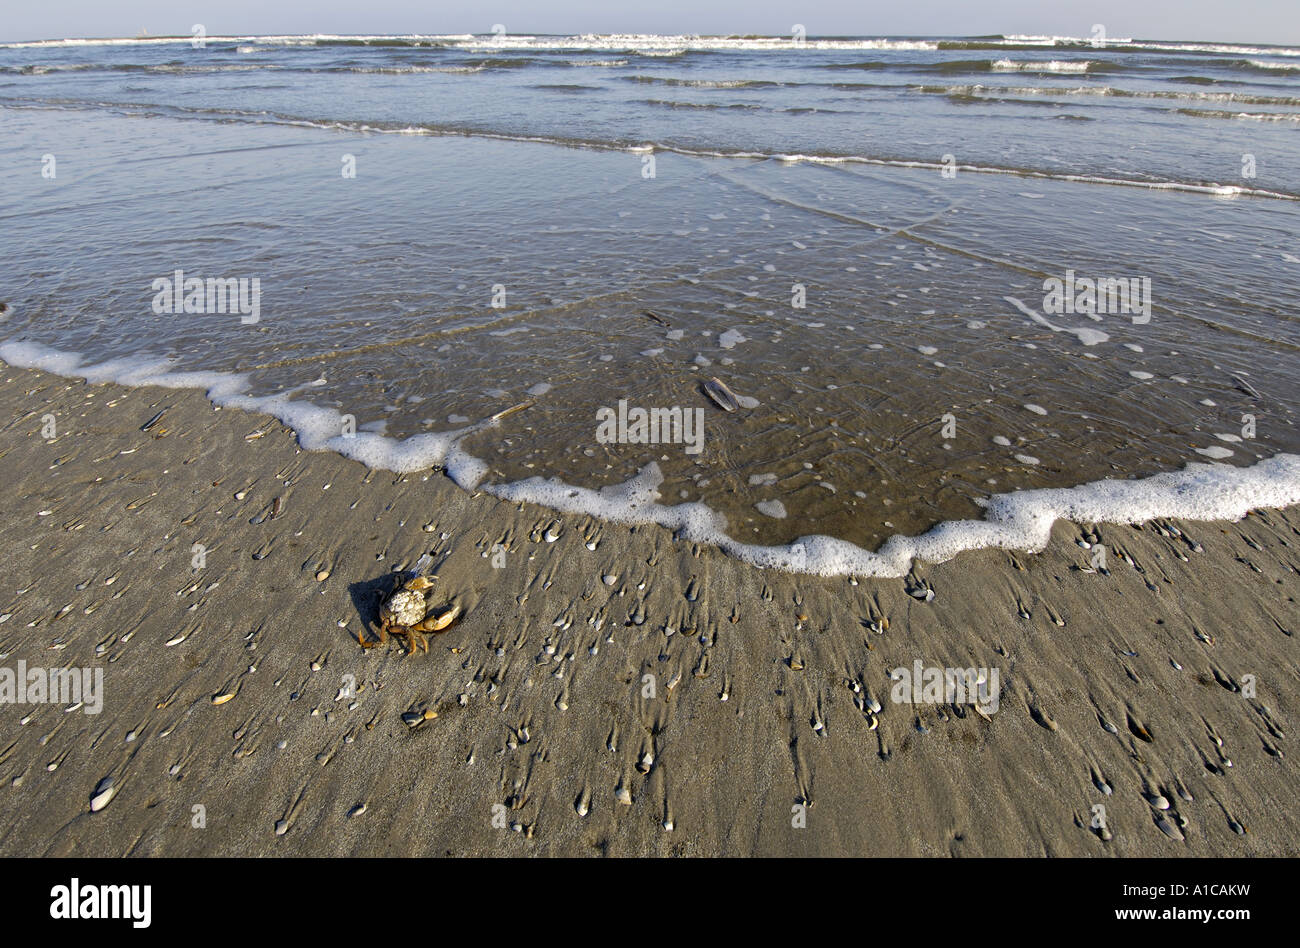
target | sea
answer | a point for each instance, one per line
(829, 303)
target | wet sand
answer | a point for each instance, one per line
(537, 732)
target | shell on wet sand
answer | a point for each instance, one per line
(722, 396)
(104, 791)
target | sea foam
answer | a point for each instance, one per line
(1021, 520)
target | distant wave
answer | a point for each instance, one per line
(394, 128)
(685, 42)
(1252, 116)
(957, 66)
(706, 83)
(979, 89)
(614, 41)
(709, 106)
(1054, 65)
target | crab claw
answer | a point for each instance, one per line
(438, 623)
(419, 582)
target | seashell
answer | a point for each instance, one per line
(281, 827)
(104, 791)
(1158, 801)
(1244, 386)
(322, 575)
(1042, 717)
(222, 698)
(1169, 829)
(357, 810)
(412, 718)
(153, 421)
(722, 396)
(510, 411)
(623, 795)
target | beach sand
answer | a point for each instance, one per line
(753, 736)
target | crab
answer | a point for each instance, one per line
(406, 613)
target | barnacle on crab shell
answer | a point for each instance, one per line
(406, 607)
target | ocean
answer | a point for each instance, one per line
(964, 284)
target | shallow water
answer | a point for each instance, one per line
(872, 409)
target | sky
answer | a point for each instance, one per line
(1234, 21)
